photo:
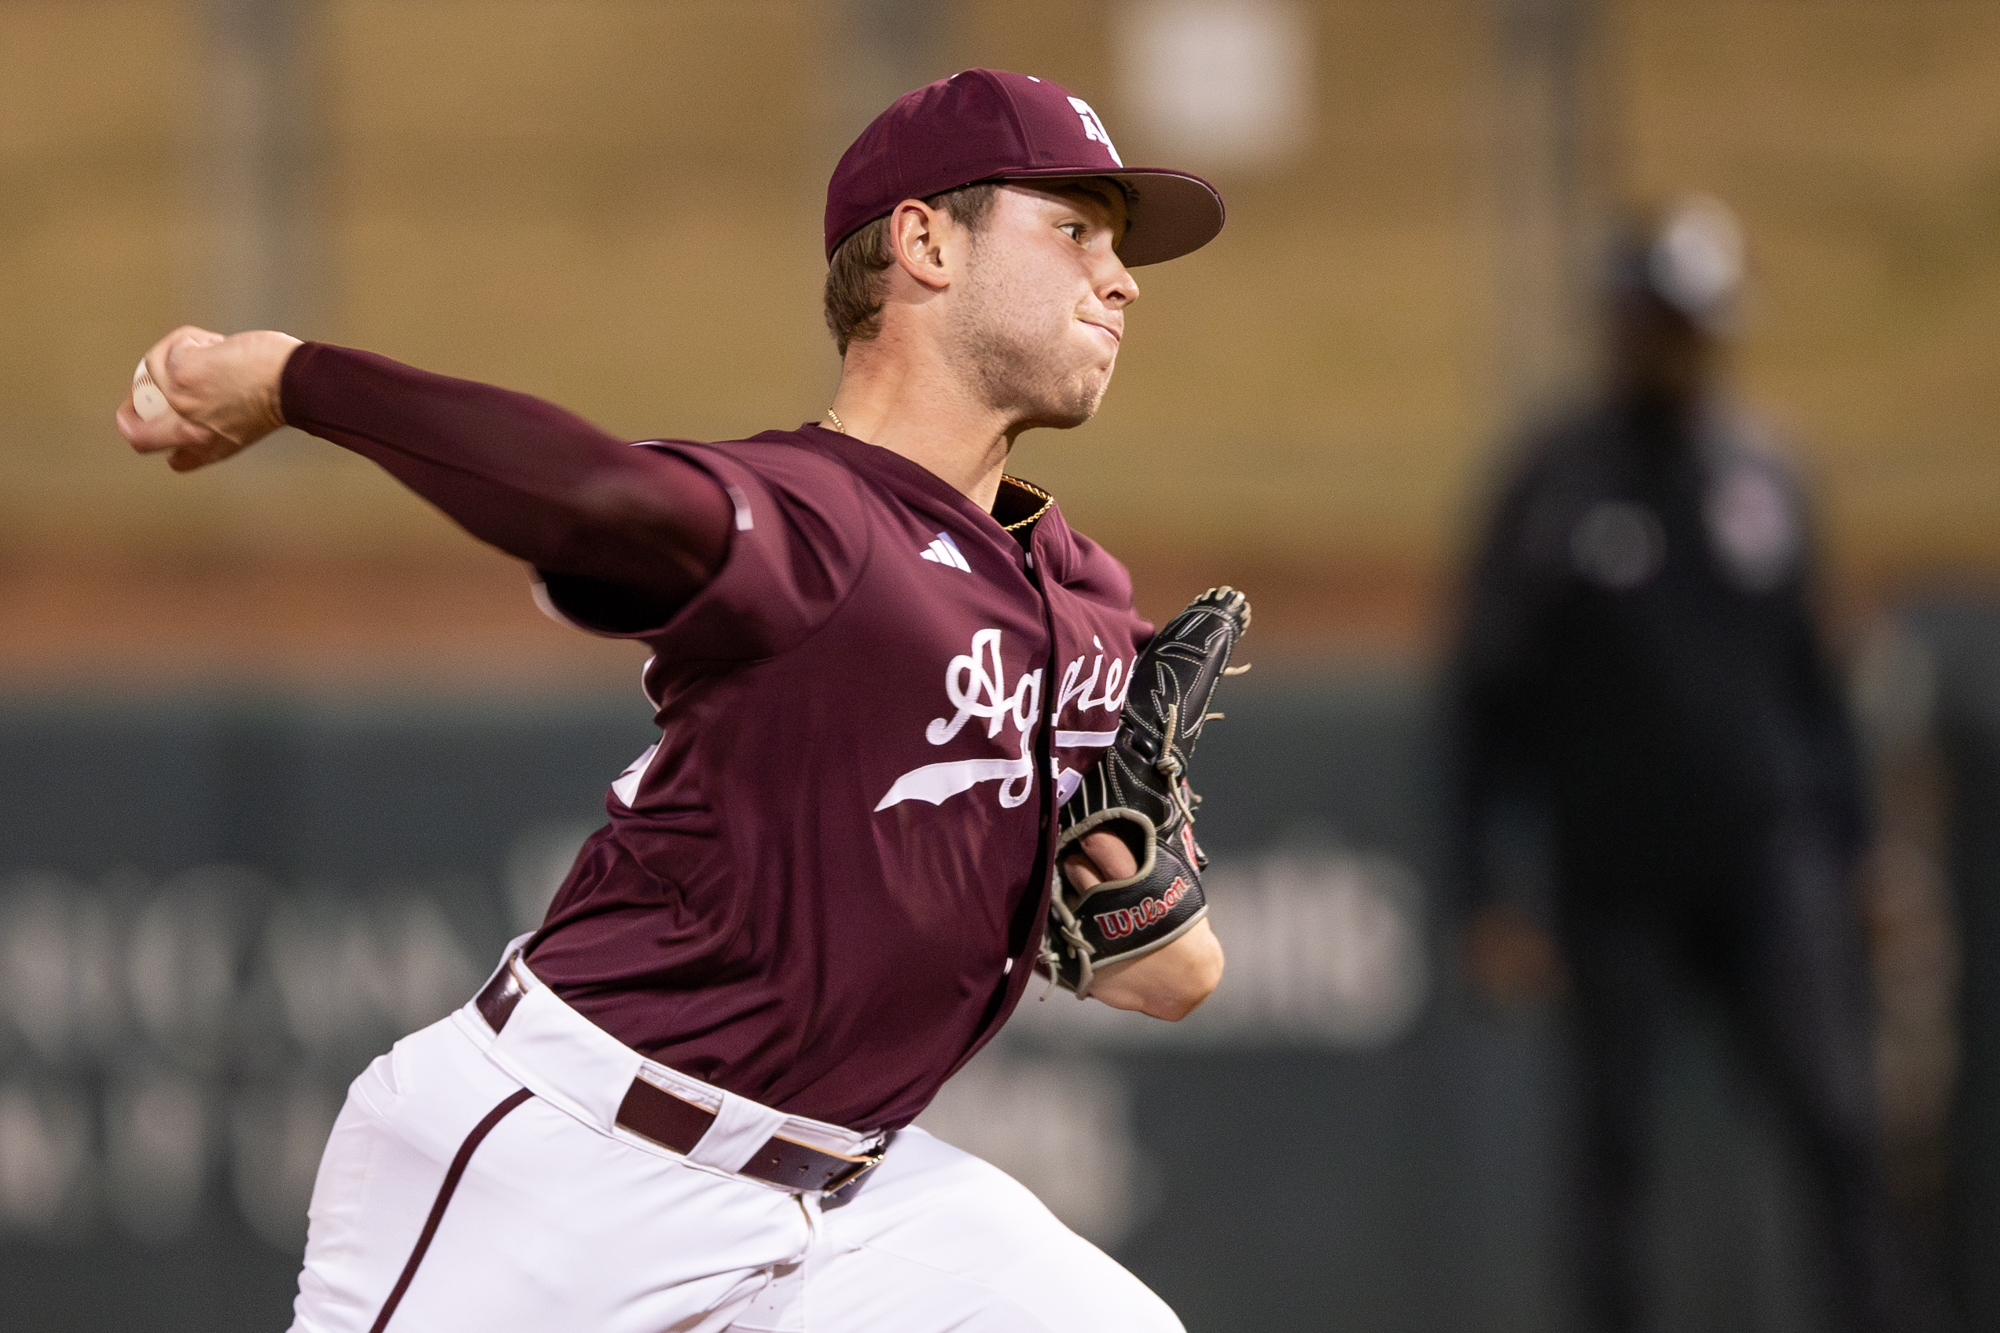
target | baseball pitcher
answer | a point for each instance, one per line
(915, 749)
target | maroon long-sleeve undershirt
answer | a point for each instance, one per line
(522, 474)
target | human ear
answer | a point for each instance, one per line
(916, 243)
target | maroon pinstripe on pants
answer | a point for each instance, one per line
(451, 1177)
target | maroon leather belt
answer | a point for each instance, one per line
(678, 1124)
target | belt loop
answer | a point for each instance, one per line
(741, 1127)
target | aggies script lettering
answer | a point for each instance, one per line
(975, 684)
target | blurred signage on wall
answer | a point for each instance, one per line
(157, 1037)
(159, 1040)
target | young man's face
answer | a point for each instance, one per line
(1039, 319)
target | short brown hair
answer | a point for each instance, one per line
(854, 288)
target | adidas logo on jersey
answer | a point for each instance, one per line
(944, 551)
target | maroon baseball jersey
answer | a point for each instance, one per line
(824, 887)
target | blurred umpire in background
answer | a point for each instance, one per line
(1640, 677)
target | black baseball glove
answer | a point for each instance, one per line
(1139, 791)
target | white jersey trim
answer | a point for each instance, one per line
(938, 783)
(626, 787)
(547, 606)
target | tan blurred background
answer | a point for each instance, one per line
(615, 204)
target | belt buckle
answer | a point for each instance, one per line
(855, 1169)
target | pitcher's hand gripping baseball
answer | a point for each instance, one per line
(201, 397)
(1139, 792)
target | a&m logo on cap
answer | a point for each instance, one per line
(1093, 128)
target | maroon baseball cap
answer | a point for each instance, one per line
(989, 125)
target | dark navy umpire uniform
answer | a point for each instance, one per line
(1639, 663)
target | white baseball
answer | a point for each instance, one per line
(147, 400)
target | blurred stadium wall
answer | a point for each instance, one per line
(615, 203)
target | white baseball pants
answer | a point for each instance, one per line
(557, 1220)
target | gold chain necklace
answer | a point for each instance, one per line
(834, 417)
(1048, 503)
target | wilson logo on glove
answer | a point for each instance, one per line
(1117, 924)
